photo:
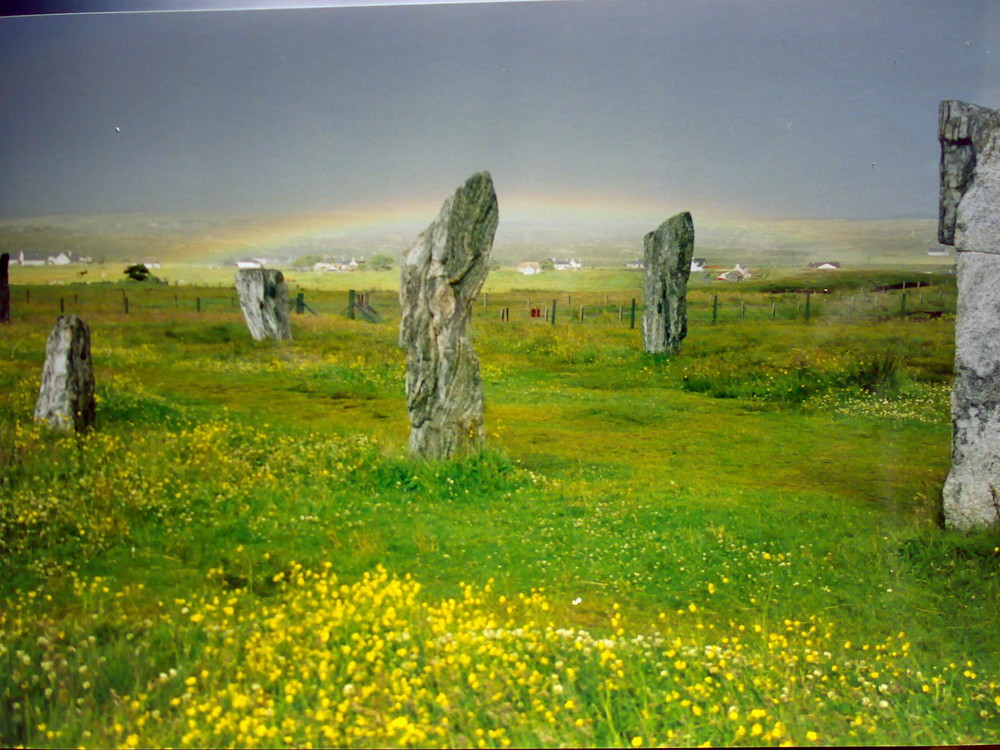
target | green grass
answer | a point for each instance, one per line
(737, 545)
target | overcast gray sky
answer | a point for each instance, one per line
(771, 108)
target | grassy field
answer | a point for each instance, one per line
(738, 545)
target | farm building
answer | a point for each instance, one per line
(340, 265)
(825, 265)
(739, 273)
(565, 265)
(30, 259)
(529, 267)
(698, 264)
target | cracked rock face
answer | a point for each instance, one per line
(667, 259)
(440, 277)
(264, 301)
(66, 397)
(970, 220)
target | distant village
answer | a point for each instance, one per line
(329, 264)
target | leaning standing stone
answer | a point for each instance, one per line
(667, 260)
(264, 301)
(970, 220)
(4, 289)
(66, 398)
(440, 277)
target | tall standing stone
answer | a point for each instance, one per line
(4, 289)
(970, 220)
(265, 303)
(440, 277)
(66, 398)
(667, 259)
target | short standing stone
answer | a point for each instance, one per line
(970, 220)
(667, 260)
(66, 398)
(440, 277)
(4, 289)
(265, 303)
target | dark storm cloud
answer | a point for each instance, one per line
(777, 107)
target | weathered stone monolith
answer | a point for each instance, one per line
(970, 220)
(440, 277)
(667, 259)
(4, 289)
(265, 304)
(66, 398)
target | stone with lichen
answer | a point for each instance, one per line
(970, 220)
(667, 260)
(440, 277)
(66, 397)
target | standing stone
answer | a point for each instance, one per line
(970, 220)
(4, 289)
(440, 277)
(668, 252)
(265, 303)
(66, 398)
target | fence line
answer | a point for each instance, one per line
(702, 306)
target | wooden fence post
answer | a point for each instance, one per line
(808, 301)
(902, 305)
(351, 294)
(553, 318)
(126, 305)
(581, 313)
(631, 317)
(715, 308)
(197, 304)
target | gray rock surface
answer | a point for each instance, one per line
(667, 259)
(265, 303)
(970, 220)
(440, 277)
(66, 397)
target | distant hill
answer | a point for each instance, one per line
(222, 239)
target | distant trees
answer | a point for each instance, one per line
(546, 264)
(137, 272)
(381, 262)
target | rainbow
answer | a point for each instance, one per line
(261, 236)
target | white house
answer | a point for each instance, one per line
(59, 260)
(565, 265)
(30, 259)
(529, 267)
(638, 263)
(250, 263)
(697, 264)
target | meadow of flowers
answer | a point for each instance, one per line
(242, 554)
